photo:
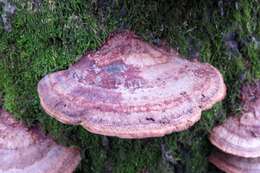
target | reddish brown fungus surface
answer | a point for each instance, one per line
(234, 164)
(24, 150)
(131, 89)
(240, 136)
(235, 138)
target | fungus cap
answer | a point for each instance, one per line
(26, 150)
(131, 89)
(234, 164)
(235, 138)
(240, 136)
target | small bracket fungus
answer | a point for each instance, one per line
(239, 137)
(235, 138)
(131, 89)
(28, 151)
(234, 164)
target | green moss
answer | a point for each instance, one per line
(55, 35)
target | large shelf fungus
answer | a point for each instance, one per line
(24, 150)
(239, 137)
(131, 89)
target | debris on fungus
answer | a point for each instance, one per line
(26, 150)
(239, 137)
(131, 89)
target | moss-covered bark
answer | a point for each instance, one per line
(48, 36)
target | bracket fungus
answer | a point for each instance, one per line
(239, 137)
(131, 89)
(24, 150)
(234, 164)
